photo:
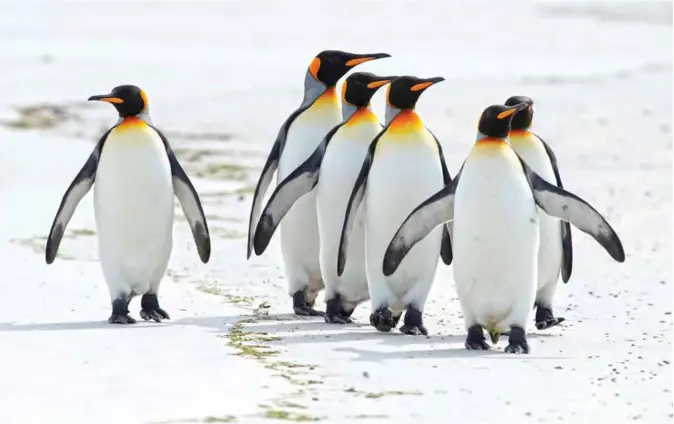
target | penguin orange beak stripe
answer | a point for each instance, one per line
(506, 113)
(377, 84)
(107, 98)
(424, 85)
(366, 58)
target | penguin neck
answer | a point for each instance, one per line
(312, 89)
(391, 112)
(484, 137)
(348, 109)
(143, 116)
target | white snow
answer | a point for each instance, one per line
(601, 75)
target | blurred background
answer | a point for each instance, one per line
(223, 76)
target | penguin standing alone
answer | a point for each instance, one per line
(299, 135)
(555, 250)
(136, 175)
(492, 201)
(404, 165)
(333, 169)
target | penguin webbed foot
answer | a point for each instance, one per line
(517, 341)
(302, 307)
(413, 323)
(475, 339)
(383, 320)
(150, 309)
(545, 318)
(120, 312)
(335, 314)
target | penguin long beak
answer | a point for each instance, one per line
(512, 110)
(362, 58)
(425, 83)
(107, 98)
(380, 82)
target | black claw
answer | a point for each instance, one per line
(414, 324)
(121, 319)
(120, 311)
(150, 309)
(545, 318)
(475, 339)
(517, 342)
(383, 320)
(302, 307)
(337, 319)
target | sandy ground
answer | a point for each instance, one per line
(221, 79)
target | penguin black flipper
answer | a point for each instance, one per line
(567, 206)
(434, 211)
(300, 182)
(567, 247)
(189, 202)
(78, 188)
(355, 200)
(446, 243)
(268, 173)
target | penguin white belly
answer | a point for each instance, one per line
(495, 240)
(339, 170)
(404, 173)
(550, 249)
(299, 228)
(133, 203)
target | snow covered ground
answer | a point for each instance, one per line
(221, 79)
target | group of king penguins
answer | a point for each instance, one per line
(365, 209)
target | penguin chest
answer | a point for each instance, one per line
(133, 193)
(495, 231)
(406, 170)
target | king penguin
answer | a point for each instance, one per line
(136, 174)
(492, 202)
(555, 251)
(403, 166)
(333, 169)
(298, 137)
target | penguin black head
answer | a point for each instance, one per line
(404, 91)
(129, 100)
(330, 65)
(495, 120)
(359, 87)
(522, 119)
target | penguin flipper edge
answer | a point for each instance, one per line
(356, 198)
(567, 206)
(434, 211)
(74, 194)
(267, 174)
(300, 182)
(189, 202)
(567, 244)
(446, 243)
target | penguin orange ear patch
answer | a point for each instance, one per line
(145, 101)
(314, 67)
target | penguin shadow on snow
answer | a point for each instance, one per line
(78, 325)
